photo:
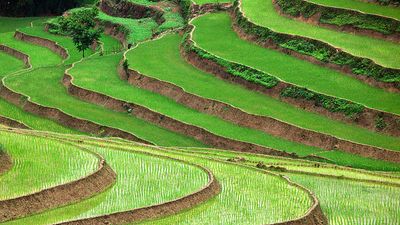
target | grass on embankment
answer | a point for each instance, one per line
(361, 6)
(41, 81)
(161, 59)
(262, 12)
(39, 163)
(143, 180)
(99, 74)
(211, 28)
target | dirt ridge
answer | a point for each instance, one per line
(5, 162)
(365, 119)
(59, 195)
(169, 123)
(302, 135)
(53, 46)
(128, 9)
(56, 114)
(17, 54)
(12, 123)
(313, 216)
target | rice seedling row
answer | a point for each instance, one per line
(39, 163)
(145, 178)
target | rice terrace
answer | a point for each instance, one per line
(192, 112)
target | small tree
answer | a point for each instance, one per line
(81, 25)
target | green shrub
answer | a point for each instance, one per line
(380, 123)
(330, 103)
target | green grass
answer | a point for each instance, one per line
(41, 81)
(143, 180)
(35, 122)
(348, 202)
(161, 59)
(99, 74)
(362, 7)
(39, 163)
(9, 64)
(75, 55)
(38, 83)
(288, 68)
(41, 57)
(10, 24)
(262, 12)
(139, 29)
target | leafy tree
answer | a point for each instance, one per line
(81, 26)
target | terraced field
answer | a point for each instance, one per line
(190, 112)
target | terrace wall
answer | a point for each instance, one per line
(280, 128)
(17, 54)
(169, 123)
(5, 162)
(366, 118)
(159, 210)
(63, 118)
(53, 46)
(60, 195)
(12, 123)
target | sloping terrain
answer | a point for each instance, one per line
(203, 112)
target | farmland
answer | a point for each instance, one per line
(200, 112)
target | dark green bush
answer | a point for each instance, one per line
(380, 123)
(330, 103)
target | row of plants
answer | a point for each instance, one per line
(268, 81)
(339, 16)
(388, 2)
(319, 50)
(328, 102)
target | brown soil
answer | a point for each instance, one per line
(366, 119)
(314, 215)
(60, 195)
(208, 8)
(5, 162)
(391, 87)
(266, 124)
(167, 122)
(212, 189)
(53, 46)
(127, 9)
(113, 30)
(63, 118)
(17, 54)
(315, 20)
(12, 123)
